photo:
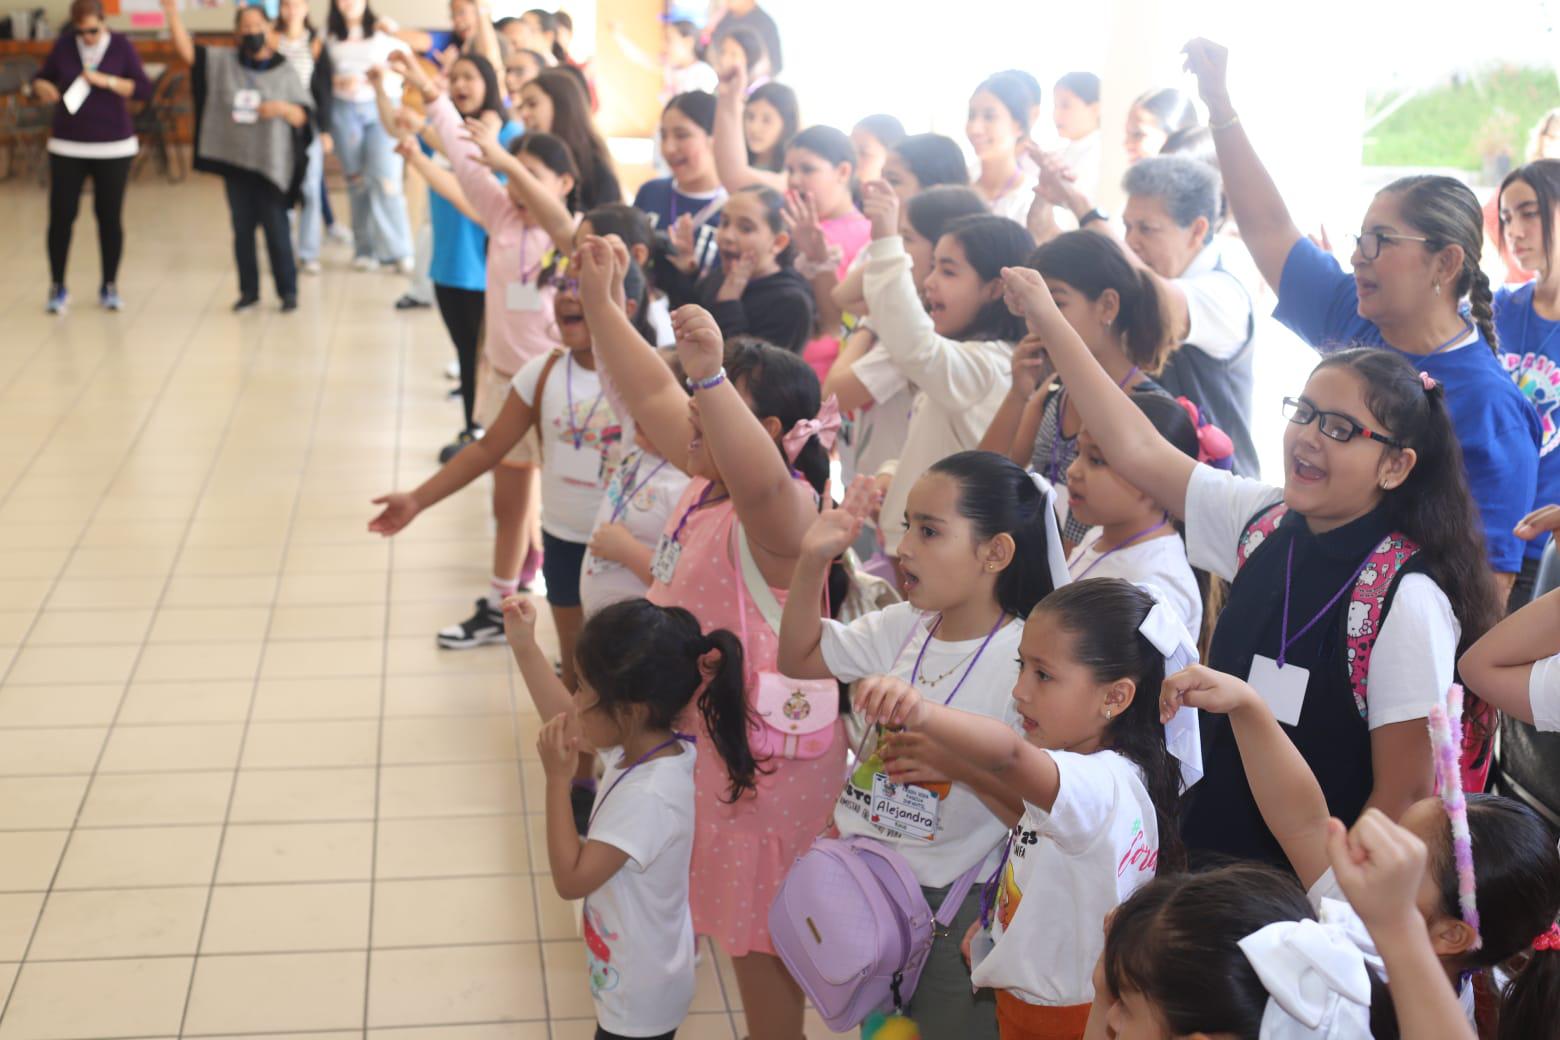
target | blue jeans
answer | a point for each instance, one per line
(310, 223)
(374, 181)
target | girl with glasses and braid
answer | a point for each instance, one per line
(1353, 586)
(1416, 262)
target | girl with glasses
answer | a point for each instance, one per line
(1353, 586)
(93, 139)
(1416, 262)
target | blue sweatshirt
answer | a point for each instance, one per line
(1530, 346)
(1497, 426)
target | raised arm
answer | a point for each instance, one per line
(985, 743)
(183, 46)
(1266, 227)
(638, 375)
(487, 38)
(1499, 667)
(1012, 430)
(1286, 791)
(801, 626)
(1135, 449)
(731, 161)
(387, 107)
(842, 383)
(522, 187)
(439, 179)
(775, 511)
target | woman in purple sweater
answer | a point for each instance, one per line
(90, 73)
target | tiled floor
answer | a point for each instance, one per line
(241, 790)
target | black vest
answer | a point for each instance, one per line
(1221, 816)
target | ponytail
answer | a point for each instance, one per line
(724, 708)
(1529, 1000)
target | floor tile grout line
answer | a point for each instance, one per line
(157, 403)
(310, 951)
(323, 369)
(316, 822)
(379, 736)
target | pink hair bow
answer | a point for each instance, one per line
(826, 427)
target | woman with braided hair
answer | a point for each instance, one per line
(1415, 263)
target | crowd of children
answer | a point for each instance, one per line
(972, 664)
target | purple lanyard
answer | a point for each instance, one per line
(578, 432)
(535, 270)
(628, 489)
(988, 891)
(1124, 544)
(1053, 473)
(641, 760)
(928, 642)
(704, 497)
(1285, 640)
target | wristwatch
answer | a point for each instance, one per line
(1090, 217)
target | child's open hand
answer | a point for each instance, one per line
(558, 746)
(1026, 294)
(1199, 686)
(1379, 866)
(887, 701)
(519, 622)
(700, 346)
(485, 137)
(836, 528)
(400, 509)
(802, 221)
(684, 254)
(1539, 521)
(880, 205)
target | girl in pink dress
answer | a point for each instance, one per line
(729, 439)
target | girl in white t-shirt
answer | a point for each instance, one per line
(981, 548)
(1515, 867)
(1130, 535)
(640, 497)
(1516, 666)
(1100, 787)
(640, 667)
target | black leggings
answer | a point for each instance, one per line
(461, 310)
(602, 1034)
(67, 176)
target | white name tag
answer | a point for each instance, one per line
(1282, 688)
(903, 809)
(663, 565)
(522, 296)
(246, 106)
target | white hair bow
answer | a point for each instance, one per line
(1316, 978)
(1055, 554)
(1165, 630)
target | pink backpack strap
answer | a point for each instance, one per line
(1258, 531)
(1367, 604)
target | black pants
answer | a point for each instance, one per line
(602, 1034)
(67, 176)
(255, 202)
(461, 310)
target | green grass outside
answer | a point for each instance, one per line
(1457, 123)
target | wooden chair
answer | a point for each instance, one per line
(157, 124)
(24, 122)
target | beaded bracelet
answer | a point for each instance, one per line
(709, 383)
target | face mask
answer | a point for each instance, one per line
(252, 43)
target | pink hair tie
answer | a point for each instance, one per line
(1446, 740)
(1549, 941)
(1427, 381)
(825, 428)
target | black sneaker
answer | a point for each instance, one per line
(484, 627)
(449, 451)
(407, 302)
(582, 799)
(244, 303)
(289, 304)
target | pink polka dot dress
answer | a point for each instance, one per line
(741, 852)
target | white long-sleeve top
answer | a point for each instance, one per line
(960, 383)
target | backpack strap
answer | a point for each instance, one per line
(949, 908)
(1257, 531)
(536, 408)
(1368, 602)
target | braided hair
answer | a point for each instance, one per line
(1448, 213)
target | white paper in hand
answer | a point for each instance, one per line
(75, 94)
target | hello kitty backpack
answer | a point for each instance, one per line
(1367, 604)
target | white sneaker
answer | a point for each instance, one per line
(452, 370)
(406, 265)
(365, 263)
(340, 233)
(310, 267)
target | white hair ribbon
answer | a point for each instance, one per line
(1317, 982)
(1165, 630)
(1055, 554)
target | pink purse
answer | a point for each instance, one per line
(793, 718)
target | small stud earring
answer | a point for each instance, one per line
(1438, 288)
(1107, 714)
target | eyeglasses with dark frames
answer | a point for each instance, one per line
(1334, 425)
(1370, 242)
